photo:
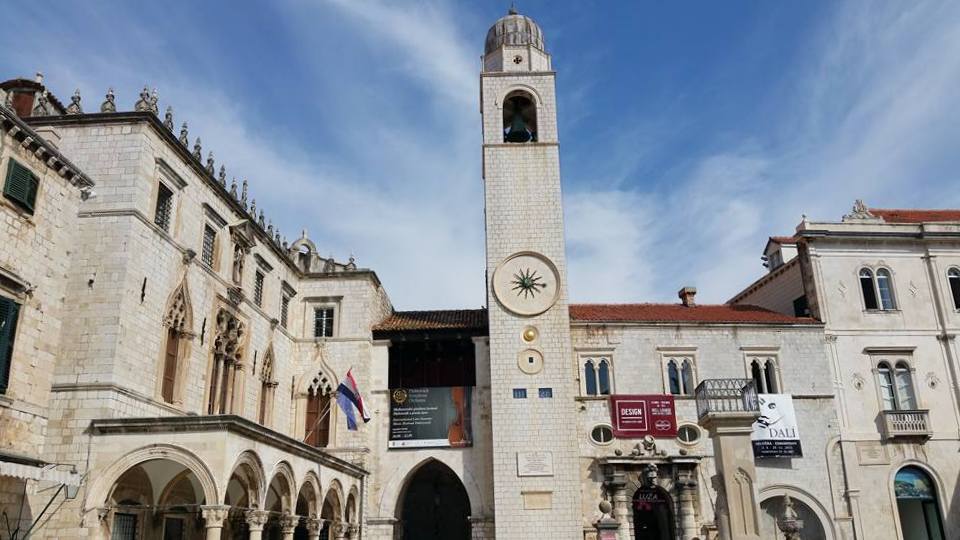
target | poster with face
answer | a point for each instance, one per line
(775, 433)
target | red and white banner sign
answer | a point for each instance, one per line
(636, 416)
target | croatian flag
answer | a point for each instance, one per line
(348, 397)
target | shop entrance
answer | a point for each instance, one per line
(652, 514)
(434, 505)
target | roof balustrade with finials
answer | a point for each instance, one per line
(726, 396)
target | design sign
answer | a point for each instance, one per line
(526, 283)
(637, 416)
(775, 433)
(430, 417)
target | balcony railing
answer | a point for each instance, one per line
(913, 423)
(726, 396)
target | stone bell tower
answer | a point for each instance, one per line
(535, 465)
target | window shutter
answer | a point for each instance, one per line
(8, 327)
(21, 185)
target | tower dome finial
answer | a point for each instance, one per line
(514, 29)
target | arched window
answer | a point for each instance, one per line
(177, 322)
(590, 378)
(904, 381)
(757, 375)
(885, 289)
(877, 289)
(869, 291)
(171, 360)
(763, 371)
(917, 505)
(603, 374)
(673, 376)
(519, 118)
(896, 386)
(267, 386)
(953, 277)
(686, 373)
(770, 376)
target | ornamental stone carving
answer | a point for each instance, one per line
(228, 345)
(109, 104)
(143, 104)
(74, 107)
(168, 118)
(214, 516)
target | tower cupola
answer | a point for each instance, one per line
(515, 43)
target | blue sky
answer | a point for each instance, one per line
(690, 131)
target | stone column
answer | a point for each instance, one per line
(339, 530)
(733, 451)
(256, 520)
(687, 488)
(213, 518)
(288, 524)
(314, 526)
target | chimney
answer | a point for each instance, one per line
(686, 295)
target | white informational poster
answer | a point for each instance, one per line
(775, 433)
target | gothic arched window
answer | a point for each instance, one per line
(317, 428)
(603, 377)
(673, 376)
(519, 118)
(590, 378)
(686, 374)
(953, 277)
(267, 386)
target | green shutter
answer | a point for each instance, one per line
(8, 328)
(21, 186)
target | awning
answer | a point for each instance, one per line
(25, 468)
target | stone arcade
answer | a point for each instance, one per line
(168, 359)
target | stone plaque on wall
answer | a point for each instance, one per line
(537, 500)
(872, 453)
(534, 464)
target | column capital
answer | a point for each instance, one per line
(314, 525)
(214, 516)
(256, 519)
(288, 523)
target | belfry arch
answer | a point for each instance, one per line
(433, 505)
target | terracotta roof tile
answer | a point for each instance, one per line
(668, 313)
(904, 215)
(451, 319)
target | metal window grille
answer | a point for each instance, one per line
(209, 242)
(323, 322)
(164, 207)
(284, 308)
(124, 527)
(258, 289)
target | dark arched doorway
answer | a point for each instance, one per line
(917, 505)
(434, 505)
(652, 514)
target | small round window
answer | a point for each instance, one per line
(601, 434)
(689, 434)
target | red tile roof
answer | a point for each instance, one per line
(451, 319)
(669, 313)
(784, 239)
(901, 215)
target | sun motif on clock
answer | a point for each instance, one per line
(526, 283)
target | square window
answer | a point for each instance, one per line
(519, 393)
(258, 288)
(323, 322)
(164, 207)
(209, 244)
(545, 393)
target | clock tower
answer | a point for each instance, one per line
(533, 385)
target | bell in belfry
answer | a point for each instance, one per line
(517, 129)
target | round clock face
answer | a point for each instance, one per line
(526, 283)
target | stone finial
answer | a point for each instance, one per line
(168, 118)
(243, 194)
(184, 135)
(109, 104)
(154, 98)
(859, 212)
(211, 168)
(233, 188)
(8, 101)
(41, 108)
(197, 150)
(39, 78)
(270, 229)
(253, 208)
(222, 177)
(74, 107)
(276, 238)
(143, 104)
(261, 221)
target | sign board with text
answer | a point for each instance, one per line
(636, 416)
(430, 417)
(775, 433)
